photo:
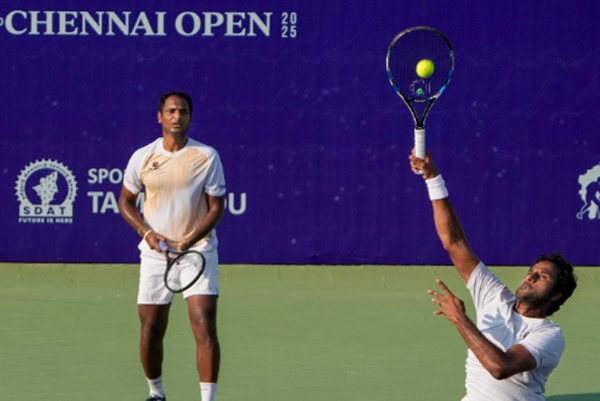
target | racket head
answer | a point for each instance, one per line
(404, 53)
(183, 270)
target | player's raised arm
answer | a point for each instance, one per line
(447, 224)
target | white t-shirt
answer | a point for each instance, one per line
(504, 327)
(175, 184)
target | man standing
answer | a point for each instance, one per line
(513, 347)
(185, 200)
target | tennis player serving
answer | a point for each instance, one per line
(513, 346)
(185, 199)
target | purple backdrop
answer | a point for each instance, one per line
(314, 141)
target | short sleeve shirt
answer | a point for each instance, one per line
(176, 185)
(504, 327)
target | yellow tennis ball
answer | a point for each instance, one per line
(425, 68)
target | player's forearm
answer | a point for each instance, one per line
(491, 357)
(453, 238)
(448, 226)
(209, 222)
(132, 216)
(205, 227)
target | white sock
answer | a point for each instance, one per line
(156, 386)
(208, 391)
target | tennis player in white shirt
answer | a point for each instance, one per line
(513, 346)
(184, 189)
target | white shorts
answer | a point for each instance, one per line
(152, 290)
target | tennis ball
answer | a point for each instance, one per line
(425, 68)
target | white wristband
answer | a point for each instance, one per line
(437, 188)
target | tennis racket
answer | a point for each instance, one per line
(183, 268)
(420, 64)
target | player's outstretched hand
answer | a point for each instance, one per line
(425, 166)
(451, 306)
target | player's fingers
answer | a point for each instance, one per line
(416, 163)
(444, 287)
(181, 246)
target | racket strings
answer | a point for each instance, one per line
(404, 54)
(184, 271)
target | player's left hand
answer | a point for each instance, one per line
(451, 306)
(181, 246)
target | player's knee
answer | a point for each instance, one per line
(204, 328)
(153, 330)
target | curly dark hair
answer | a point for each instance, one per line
(183, 95)
(566, 282)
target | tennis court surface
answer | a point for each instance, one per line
(70, 332)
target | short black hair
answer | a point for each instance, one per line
(566, 281)
(164, 96)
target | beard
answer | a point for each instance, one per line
(526, 295)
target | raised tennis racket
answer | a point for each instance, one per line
(183, 268)
(420, 64)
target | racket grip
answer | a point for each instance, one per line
(163, 247)
(420, 143)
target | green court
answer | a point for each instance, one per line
(70, 332)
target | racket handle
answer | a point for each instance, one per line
(420, 143)
(163, 247)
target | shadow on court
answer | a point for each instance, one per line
(575, 397)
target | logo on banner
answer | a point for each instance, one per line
(46, 190)
(590, 194)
